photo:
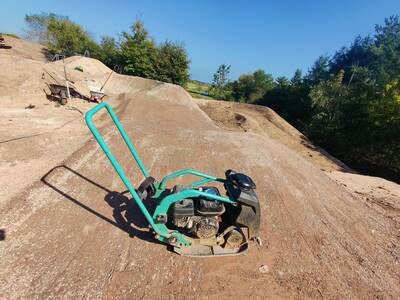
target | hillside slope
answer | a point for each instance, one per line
(71, 233)
(264, 121)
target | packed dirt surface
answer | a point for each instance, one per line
(264, 121)
(22, 49)
(69, 232)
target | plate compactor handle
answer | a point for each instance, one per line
(89, 121)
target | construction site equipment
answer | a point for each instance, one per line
(98, 95)
(59, 93)
(195, 219)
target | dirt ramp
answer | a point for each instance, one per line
(264, 121)
(23, 49)
(20, 79)
(318, 237)
(75, 234)
(92, 67)
(122, 84)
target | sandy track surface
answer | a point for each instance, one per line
(70, 232)
(264, 121)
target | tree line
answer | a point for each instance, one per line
(135, 53)
(348, 103)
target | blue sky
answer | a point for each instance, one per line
(277, 36)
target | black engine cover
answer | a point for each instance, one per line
(241, 188)
(199, 206)
(207, 207)
(184, 208)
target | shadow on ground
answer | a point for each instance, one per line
(126, 214)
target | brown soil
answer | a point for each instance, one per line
(327, 235)
(264, 121)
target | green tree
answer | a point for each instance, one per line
(111, 52)
(252, 87)
(172, 63)
(140, 56)
(385, 62)
(220, 77)
(290, 99)
(37, 27)
(61, 35)
(219, 83)
(319, 71)
(138, 52)
(297, 78)
(358, 119)
(282, 82)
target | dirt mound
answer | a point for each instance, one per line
(72, 234)
(34, 133)
(377, 193)
(264, 121)
(91, 67)
(20, 78)
(23, 49)
(84, 74)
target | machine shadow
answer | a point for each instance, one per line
(126, 214)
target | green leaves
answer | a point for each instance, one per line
(219, 87)
(252, 87)
(289, 98)
(61, 35)
(136, 53)
(168, 62)
(172, 63)
(359, 104)
(349, 104)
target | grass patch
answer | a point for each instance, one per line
(9, 34)
(198, 89)
(200, 96)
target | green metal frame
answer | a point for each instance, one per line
(163, 201)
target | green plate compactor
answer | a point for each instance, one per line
(195, 219)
